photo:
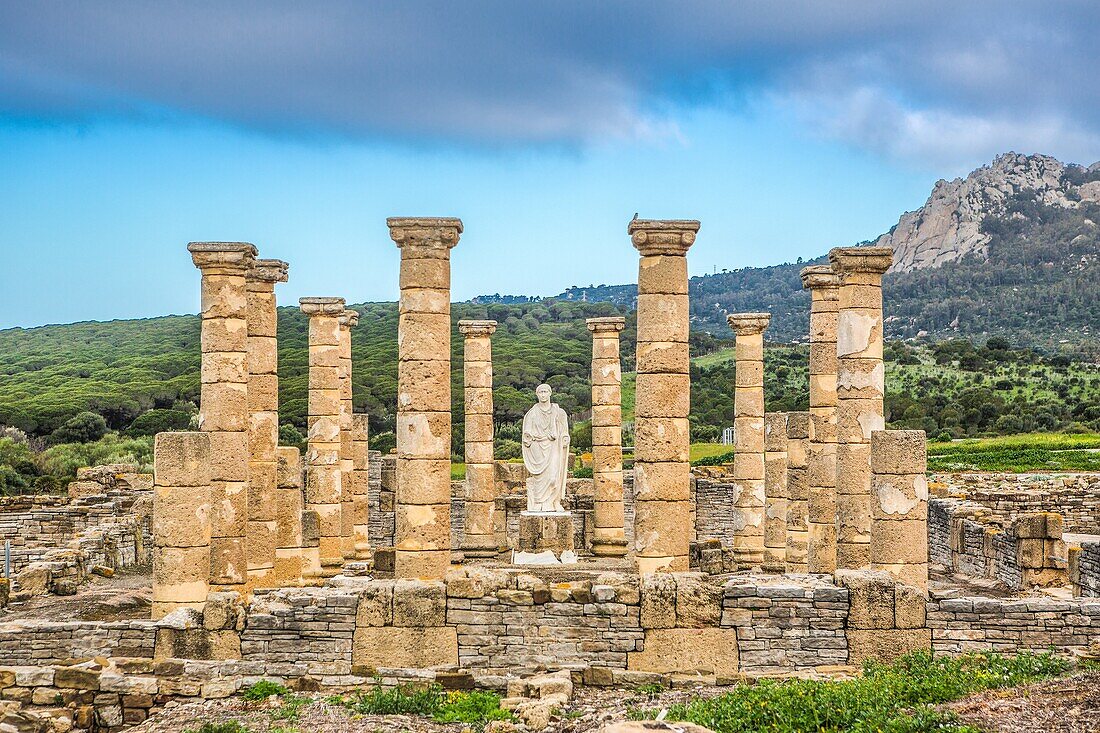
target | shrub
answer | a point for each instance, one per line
(262, 690)
(718, 460)
(159, 421)
(474, 708)
(85, 427)
(228, 726)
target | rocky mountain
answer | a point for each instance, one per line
(949, 225)
(1012, 250)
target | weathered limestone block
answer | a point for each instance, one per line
(403, 647)
(418, 603)
(885, 645)
(687, 651)
(662, 528)
(541, 532)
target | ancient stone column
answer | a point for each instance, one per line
(324, 490)
(822, 283)
(798, 440)
(748, 436)
(899, 506)
(422, 536)
(776, 497)
(181, 521)
(290, 560)
(859, 386)
(477, 370)
(663, 528)
(348, 320)
(359, 486)
(263, 419)
(609, 535)
(223, 409)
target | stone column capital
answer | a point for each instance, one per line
(235, 257)
(748, 324)
(268, 271)
(321, 306)
(819, 277)
(662, 236)
(349, 318)
(606, 324)
(436, 232)
(474, 328)
(875, 260)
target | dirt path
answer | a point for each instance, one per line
(128, 595)
(1063, 705)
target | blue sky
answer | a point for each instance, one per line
(129, 129)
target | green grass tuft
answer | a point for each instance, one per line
(893, 697)
(262, 690)
(475, 708)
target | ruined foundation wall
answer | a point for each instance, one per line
(1076, 496)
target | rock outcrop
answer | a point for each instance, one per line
(949, 225)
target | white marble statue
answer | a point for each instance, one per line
(545, 453)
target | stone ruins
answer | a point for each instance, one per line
(811, 552)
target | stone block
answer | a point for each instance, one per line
(668, 481)
(661, 439)
(885, 644)
(910, 606)
(871, 598)
(662, 528)
(422, 527)
(664, 357)
(658, 601)
(420, 564)
(698, 601)
(663, 274)
(181, 515)
(539, 532)
(423, 481)
(899, 541)
(662, 395)
(197, 644)
(663, 317)
(899, 451)
(418, 603)
(403, 647)
(182, 459)
(687, 651)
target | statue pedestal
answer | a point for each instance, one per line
(540, 531)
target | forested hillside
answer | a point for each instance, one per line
(1038, 284)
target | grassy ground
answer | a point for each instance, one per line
(897, 697)
(1018, 453)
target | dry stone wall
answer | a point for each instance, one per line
(1084, 569)
(1075, 496)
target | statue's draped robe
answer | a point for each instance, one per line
(544, 448)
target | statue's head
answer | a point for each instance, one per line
(543, 392)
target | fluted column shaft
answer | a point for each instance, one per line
(223, 409)
(822, 283)
(748, 432)
(860, 385)
(324, 487)
(263, 422)
(663, 527)
(477, 374)
(609, 535)
(422, 536)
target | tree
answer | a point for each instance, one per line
(85, 427)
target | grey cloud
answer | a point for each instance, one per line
(505, 73)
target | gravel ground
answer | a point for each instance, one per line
(1063, 705)
(128, 595)
(589, 710)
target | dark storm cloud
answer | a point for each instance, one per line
(905, 79)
